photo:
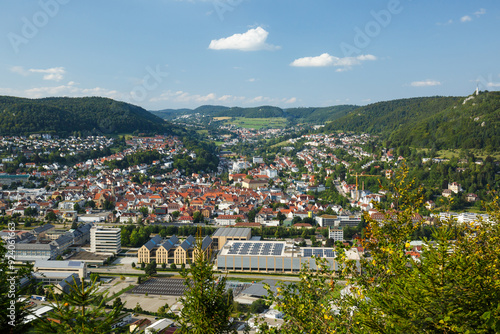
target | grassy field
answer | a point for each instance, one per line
(480, 154)
(283, 143)
(257, 123)
(449, 154)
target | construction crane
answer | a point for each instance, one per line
(361, 175)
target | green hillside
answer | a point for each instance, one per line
(319, 115)
(294, 115)
(64, 116)
(439, 122)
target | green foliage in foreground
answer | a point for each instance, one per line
(207, 307)
(453, 287)
(82, 310)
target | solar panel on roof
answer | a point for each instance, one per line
(318, 252)
(329, 253)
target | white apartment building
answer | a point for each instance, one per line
(336, 233)
(105, 240)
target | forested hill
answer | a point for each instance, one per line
(433, 122)
(295, 115)
(66, 116)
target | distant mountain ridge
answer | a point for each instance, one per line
(432, 122)
(87, 115)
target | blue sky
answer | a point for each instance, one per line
(185, 53)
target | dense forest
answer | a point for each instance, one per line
(293, 115)
(432, 122)
(88, 116)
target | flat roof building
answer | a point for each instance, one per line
(336, 233)
(271, 256)
(35, 251)
(105, 240)
(224, 234)
(158, 326)
(58, 271)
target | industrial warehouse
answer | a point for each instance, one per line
(273, 256)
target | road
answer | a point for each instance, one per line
(125, 269)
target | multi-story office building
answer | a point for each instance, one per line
(105, 240)
(336, 233)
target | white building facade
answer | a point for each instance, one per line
(105, 240)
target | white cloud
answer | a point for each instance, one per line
(188, 98)
(251, 80)
(252, 40)
(320, 61)
(19, 70)
(181, 96)
(450, 21)
(493, 84)
(325, 59)
(465, 18)
(8, 91)
(70, 89)
(425, 83)
(480, 12)
(54, 73)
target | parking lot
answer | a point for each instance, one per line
(161, 286)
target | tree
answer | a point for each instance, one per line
(258, 306)
(74, 225)
(29, 211)
(117, 303)
(206, 306)
(76, 207)
(138, 308)
(51, 216)
(452, 287)
(133, 264)
(94, 277)
(82, 310)
(306, 305)
(197, 217)
(108, 205)
(281, 217)
(163, 310)
(144, 211)
(150, 269)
